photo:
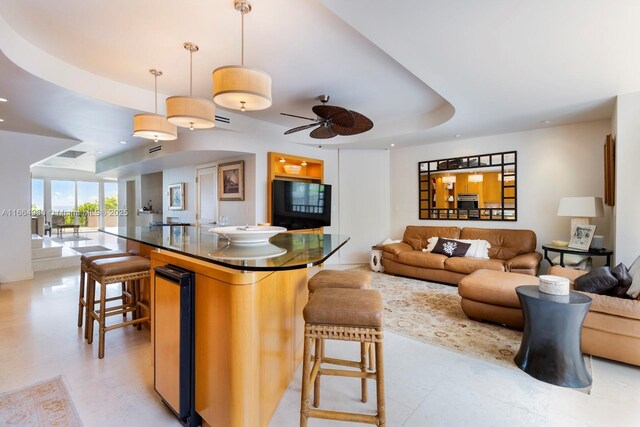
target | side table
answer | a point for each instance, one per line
(551, 348)
(565, 250)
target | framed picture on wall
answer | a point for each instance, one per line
(176, 197)
(231, 181)
(581, 237)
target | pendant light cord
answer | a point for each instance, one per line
(155, 91)
(242, 48)
(190, 72)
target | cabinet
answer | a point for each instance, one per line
(311, 170)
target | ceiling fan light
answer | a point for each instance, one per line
(190, 112)
(154, 126)
(236, 86)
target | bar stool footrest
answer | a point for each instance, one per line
(343, 416)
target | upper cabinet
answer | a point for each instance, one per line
(478, 187)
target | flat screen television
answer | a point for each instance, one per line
(299, 205)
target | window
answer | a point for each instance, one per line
(88, 196)
(63, 195)
(110, 204)
(37, 194)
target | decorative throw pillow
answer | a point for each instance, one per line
(597, 281)
(634, 272)
(477, 249)
(451, 248)
(621, 273)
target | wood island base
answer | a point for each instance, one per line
(249, 335)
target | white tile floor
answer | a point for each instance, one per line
(425, 384)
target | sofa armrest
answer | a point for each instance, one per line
(525, 262)
(396, 248)
(569, 273)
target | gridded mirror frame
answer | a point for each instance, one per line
(506, 164)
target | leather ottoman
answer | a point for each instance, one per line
(490, 295)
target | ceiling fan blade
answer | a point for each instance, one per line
(362, 124)
(299, 128)
(299, 117)
(323, 132)
(338, 115)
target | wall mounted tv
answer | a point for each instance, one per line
(299, 205)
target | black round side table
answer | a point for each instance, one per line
(551, 343)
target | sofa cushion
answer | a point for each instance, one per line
(422, 259)
(451, 248)
(417, 235)
(505, 244)
(469, 265)
(597, 281)
(628, 308)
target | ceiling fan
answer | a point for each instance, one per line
(332, 120)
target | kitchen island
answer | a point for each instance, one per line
(248, 315)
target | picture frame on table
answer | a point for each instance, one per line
(581, 236)
(176, 197)
(231, 181)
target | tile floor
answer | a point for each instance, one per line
(425, 384)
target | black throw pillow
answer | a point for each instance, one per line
(450, 248)
(621, 272)
(597, 281)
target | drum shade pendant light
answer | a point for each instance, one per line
(238, 87)
(187, 111)
(154, 126)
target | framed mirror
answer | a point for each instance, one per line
(479, 188)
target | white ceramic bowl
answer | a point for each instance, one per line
(248, 235)
(292, 169)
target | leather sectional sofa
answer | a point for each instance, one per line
(511, 250)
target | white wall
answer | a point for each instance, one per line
(242, 212)
(627, 209)
(364, 202)
(19, 151)
(187, 175)
(552, 163)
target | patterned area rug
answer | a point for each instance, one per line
(43, 404)
(431, 312)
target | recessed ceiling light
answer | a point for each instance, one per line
(3, 99)
(123, 142)
(1, 120)
(99, 152)
(393, 145)
(457, 135)
(545, 122)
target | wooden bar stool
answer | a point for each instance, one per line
(115, 270)
(85, 262)
(342, 279)
(346, 315)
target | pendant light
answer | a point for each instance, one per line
(238, 87)
(154, 126)
(187, 111)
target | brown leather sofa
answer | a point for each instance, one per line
(610, 330)
(511, 250)
(612, 326)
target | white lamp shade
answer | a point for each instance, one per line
(234, 84)
(448, 179)
(189, 112)
(154, 126)
(581, 207)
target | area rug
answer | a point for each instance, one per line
(431, 313)
(46, 403)
(85, 249)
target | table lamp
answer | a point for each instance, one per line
(580, 209)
